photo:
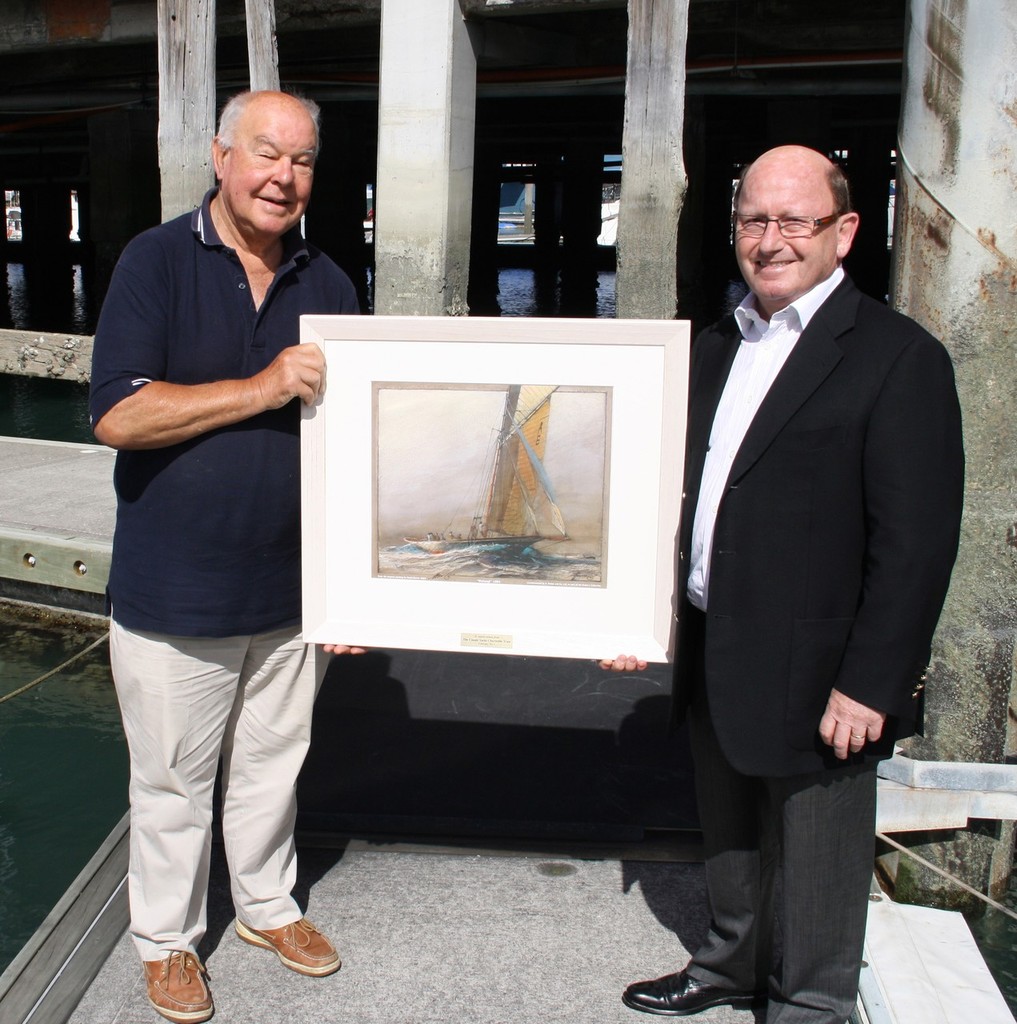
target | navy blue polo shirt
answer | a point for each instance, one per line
(207, 539)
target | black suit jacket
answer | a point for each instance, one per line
(835, 535)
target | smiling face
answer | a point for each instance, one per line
(265, 174)
(791, 181)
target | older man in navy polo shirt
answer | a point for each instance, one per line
(197, 379)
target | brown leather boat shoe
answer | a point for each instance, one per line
(177, 989)
(300, 946)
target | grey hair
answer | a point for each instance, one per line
(236, 105)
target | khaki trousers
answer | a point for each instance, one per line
(185, 702)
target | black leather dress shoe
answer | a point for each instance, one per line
(679, 995)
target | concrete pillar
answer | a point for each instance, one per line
(653, 174)
(956, 272)
(186, 102)
(692, 244)
(723, 159)
(46, 227)
(3, 234)
(483, 287)
(581, 222)
(547, 233)
(870, 169)
(86, 307)
(426, 123)
(5, 255)
(45, 220)
(335, 216)
(124, 185)
(801, 121)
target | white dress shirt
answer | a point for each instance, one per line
(763, 351)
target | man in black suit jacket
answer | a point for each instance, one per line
(824, 477)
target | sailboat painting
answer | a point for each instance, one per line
(487, 482)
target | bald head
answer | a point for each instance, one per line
(804, 160)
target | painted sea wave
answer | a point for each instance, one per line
(475, 562)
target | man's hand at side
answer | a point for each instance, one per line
(848, 725)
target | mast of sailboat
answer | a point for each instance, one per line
(502, 472)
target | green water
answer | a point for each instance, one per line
(50, 410)
(63, 765)
(996, 936)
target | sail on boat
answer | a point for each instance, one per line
(518, 506)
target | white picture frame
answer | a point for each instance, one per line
(373, 575)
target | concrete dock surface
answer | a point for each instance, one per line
(57, 487)
(448, 935)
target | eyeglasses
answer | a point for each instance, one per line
(789, 227)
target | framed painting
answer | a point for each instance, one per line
(495, 485)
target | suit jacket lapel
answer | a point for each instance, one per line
(809, 364)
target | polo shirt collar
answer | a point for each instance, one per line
(294, 246)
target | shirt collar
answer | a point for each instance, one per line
(751, 323)
(294, 246)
